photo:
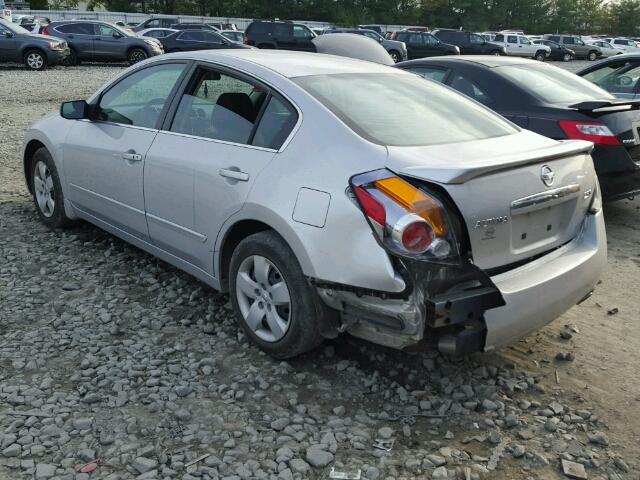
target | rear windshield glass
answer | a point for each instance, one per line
(403, 110)
(553, 85)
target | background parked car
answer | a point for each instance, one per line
(190, 40)
(422, 44)
(624, 44)
(375, 28)
(607, 49)
(557, 51)
(233, 35)
(520, 46)
(575, 43)
(91, 40)
(31, 22)
(276, 34)
(37, 52)
(193, 26)
(156, 32)
(156, 22)
(619, 75)
(469, 43)
(396, 49)
(224, 26)
(554, 103)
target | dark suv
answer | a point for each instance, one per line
(422, 44)
(156, 22)
(469, 43)
(103, 42)
(281, 35)
(35, 51)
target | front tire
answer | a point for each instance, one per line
(496, 53)
(47, 190)
(567, 57)
(35, 60)
(540, 56)
(72, 60)
(274, 303)
(592, 56)
(137, 55)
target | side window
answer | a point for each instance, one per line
(512, 39)
(276, 124)
(476, 39)
(219, 107)
(212, 37)
(429, 40)
(432, 73)
(569, 40)
(617, 78)
(415, 39)
(300, 32)
(525, 41)
(104, 30)
(402, 37)
(499, 38)
(154, 23)
(76, 28)
(283, 30)
(554, 38)
(139, 99)
(470, 89)
(191, 36)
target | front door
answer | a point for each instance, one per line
(109, 44)
(203, 164)
(104, 156)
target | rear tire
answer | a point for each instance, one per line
(567, 57)
(35, 60)
(268, 289)
(47, 190)
(137, 55)
(591, 56)
(496, 53)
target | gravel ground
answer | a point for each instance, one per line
(114, 365)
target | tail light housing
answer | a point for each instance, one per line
(596, 132)
(45, 31)
(407, 221)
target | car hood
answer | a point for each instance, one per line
(459, 163)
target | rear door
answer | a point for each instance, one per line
(416, 46)
(205, 161)
(283, 36)
(303, 38)
(79, 36)
(104, 157)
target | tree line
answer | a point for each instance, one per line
(533, 16)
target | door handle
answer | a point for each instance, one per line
(132, 157)
(234, 174)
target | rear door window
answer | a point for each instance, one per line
(432, 73)
(219, 107)
(283, 30)
(620, 78)
(276, 124)
(76, 28)
(512, 39)
(470, 89)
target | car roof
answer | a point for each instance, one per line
(292, 64)
(490, 61)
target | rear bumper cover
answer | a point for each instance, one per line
(530, 297)
(540, 291)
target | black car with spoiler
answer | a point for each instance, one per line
(554, 103)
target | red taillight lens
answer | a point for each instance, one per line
(372, 208)
(393, 36)
(595, 132)
(416, 236)
(45, 31)
(245, 40)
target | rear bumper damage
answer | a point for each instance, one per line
(460, 310)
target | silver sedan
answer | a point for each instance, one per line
(329, 195)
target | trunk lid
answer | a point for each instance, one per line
(510, 213)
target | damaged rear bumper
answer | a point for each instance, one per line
(465, 311)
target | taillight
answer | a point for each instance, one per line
(407, 220)
(595, 132)
(245, 40)
(45, 31)
(393, 36)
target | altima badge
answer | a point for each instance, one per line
(547, 175)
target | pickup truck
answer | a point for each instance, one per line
(520, 46)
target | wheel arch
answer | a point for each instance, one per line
(237, 229)
(30, 149)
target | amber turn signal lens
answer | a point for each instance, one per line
(415, 201)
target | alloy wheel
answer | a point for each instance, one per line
(395, 56)
(35, 61)
(138, 56)
(263, 298)
(44, 190)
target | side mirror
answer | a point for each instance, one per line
(7, 34)
(76, 110)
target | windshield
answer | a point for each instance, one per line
(553, 85)
(17, 29)
(403, 110)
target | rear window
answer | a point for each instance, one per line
(553, 85)
(403, 110)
